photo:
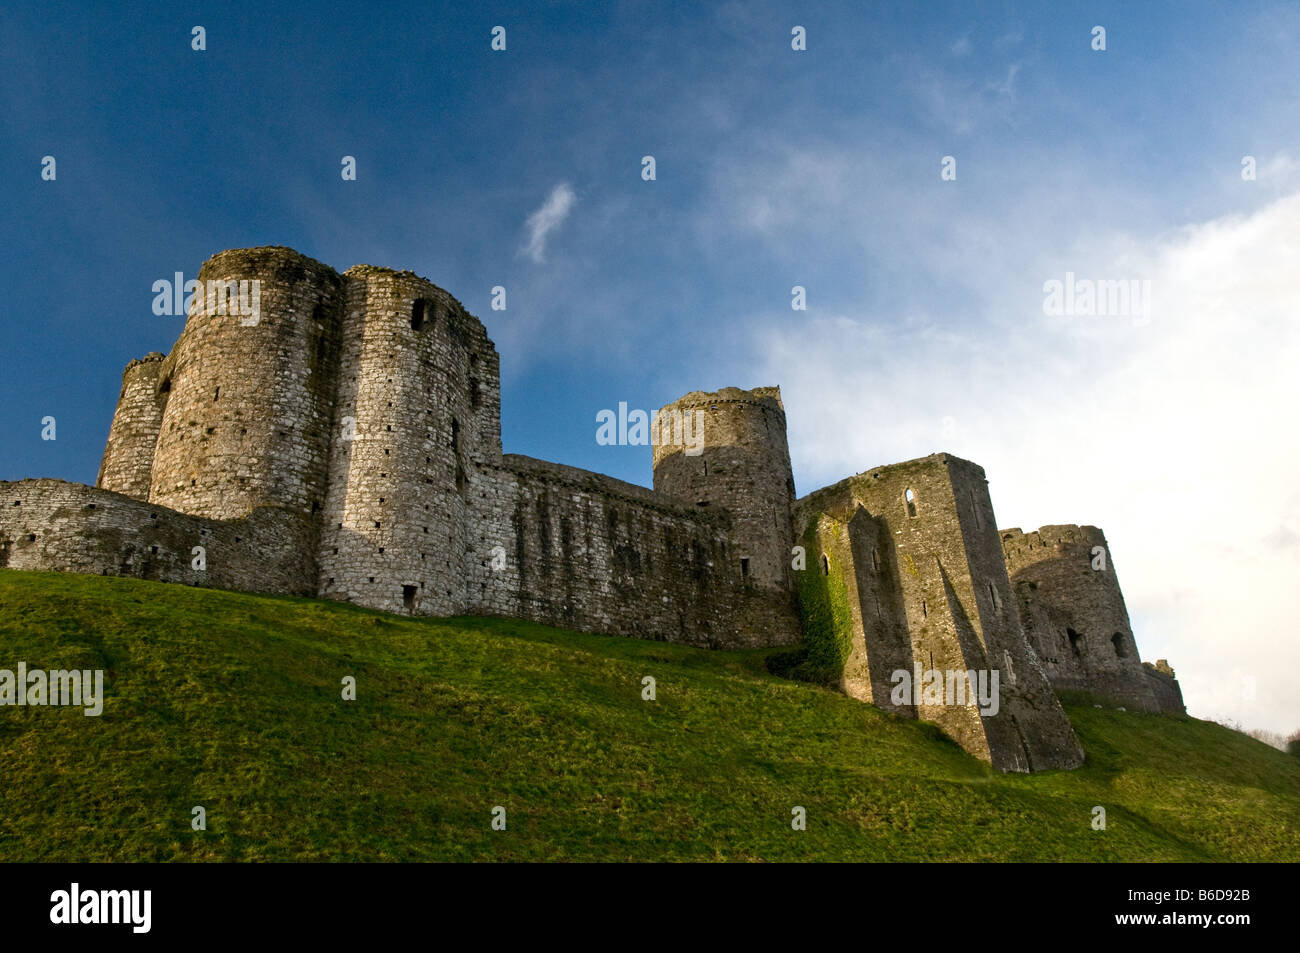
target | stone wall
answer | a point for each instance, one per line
(1164, 684)
(590, 552)
(934, 522)
(70, 527)
(1070, 603)
(127, 466)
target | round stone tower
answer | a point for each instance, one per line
(417, 412)
(128, 455)
(729, 450)
(249, 387)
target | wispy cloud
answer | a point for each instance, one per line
(550, 216)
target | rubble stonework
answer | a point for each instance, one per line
(346, 444)
(1074, 616)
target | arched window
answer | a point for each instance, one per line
(909, 498)
(1121, 645)
(826, 565)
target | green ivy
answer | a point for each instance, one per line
(827, 620)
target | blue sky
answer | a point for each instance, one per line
(924, 331)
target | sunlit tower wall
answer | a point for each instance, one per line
(417, 411)
(743, 465)
(249, 398)
(127, 466)
(740, 461)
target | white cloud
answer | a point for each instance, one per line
(1176, 436)
(550, 216)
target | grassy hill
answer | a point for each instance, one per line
(233, 702)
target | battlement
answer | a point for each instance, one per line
(1046, 539)
(769, 397)
(153, 357)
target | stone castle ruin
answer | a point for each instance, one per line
(347, 445)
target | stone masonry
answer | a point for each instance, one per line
(1074, 615)
(346, 444)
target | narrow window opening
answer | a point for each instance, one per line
(474, 397)
(1121, 645)
(875, 560)
(216, 396)
(993, 595)
(925, 611)
(408, 597)
(909, 498)
(744, 567)
(417, 315)
(826, 565)
(1077, 644)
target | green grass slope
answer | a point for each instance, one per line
(233, 702)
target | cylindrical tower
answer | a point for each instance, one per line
(127, 466)
(1074, 613)
(250, 387)
(417, 411)
(729, 450)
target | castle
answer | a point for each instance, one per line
(347, 445)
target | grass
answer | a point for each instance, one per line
(233, 702)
